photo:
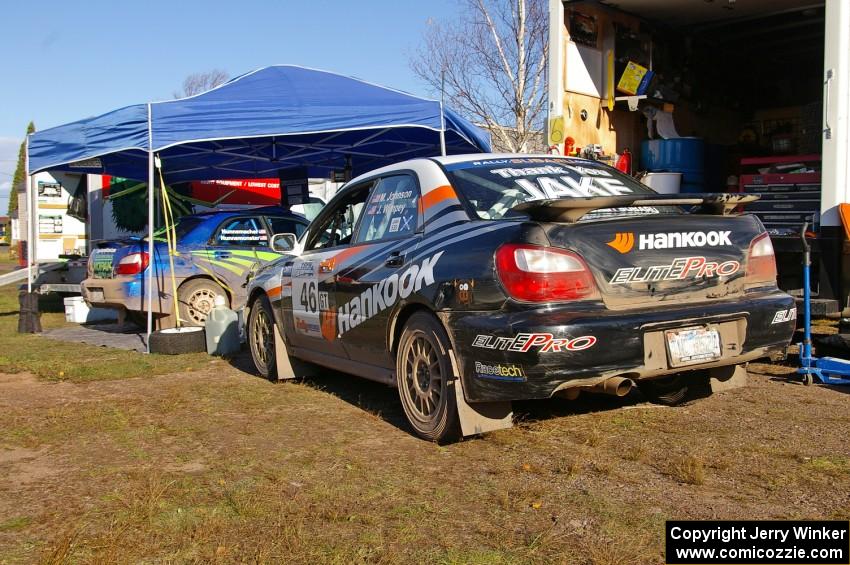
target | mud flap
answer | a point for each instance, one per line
(479, 417)
(728, 378)
(281, 357)
(289, 367)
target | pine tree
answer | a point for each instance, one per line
(20, 172)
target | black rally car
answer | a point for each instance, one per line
(472, 281)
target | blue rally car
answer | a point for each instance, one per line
(215, 253)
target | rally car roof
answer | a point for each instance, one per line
(237, 211)
(452, 159)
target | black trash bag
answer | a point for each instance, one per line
(29, 320)
(78, 203)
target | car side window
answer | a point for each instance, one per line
(336, 226)
(286, 225)
(246, 231)
(392, 210)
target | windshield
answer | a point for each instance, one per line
(493, 187)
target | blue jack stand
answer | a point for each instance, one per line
(828, 370)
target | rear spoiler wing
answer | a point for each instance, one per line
(571, 210)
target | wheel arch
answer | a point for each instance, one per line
(398, 321)
(254, 296)
(202, 276)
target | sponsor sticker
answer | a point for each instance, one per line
(783, 316)
(303, 269)
(463, 291)
(542, 342)
(499, 372)
(385, 293)
(102, 263)
(624, 242)
(679, 269)
(307, 326)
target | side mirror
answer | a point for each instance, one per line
(283, 242)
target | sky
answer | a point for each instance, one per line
(63, 61)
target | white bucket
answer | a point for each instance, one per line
(663, 183)
(78, 312)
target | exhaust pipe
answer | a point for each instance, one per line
(615, 386)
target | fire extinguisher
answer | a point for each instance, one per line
(624, 162)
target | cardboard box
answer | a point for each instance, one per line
(635, 79)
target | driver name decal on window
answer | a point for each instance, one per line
(243, 235)
(392, 209)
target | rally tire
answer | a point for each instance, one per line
(676, 389)
(425, 379)
(176, 341)
(261, 338)
(195, 299)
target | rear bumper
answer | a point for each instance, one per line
(127, 292)
(534, 353)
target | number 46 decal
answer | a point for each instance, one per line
(311, 299)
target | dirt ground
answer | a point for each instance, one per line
(218, 465)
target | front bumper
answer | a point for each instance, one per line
(506, 355)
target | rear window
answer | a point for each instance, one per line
(493, 187)
(183, 227)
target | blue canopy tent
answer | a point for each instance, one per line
(274, 118)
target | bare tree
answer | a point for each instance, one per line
(201, 82)
(492, 59)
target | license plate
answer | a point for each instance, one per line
(693, 345)
(95, 295)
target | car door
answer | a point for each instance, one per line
(370, 289)
(237, 244)
(308, 284)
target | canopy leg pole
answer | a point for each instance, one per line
(13, 194)
(151, 258)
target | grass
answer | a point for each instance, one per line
(6, 262)
(689, 470)
(16, 523)
(61, 361)
(201, 462)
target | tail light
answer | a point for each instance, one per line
(543, 274)
(761, 261)
(133, 264)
